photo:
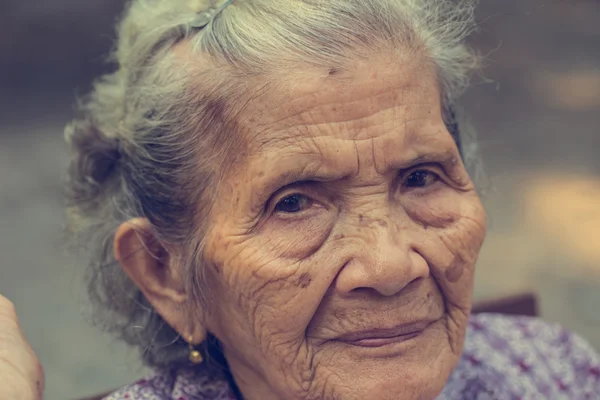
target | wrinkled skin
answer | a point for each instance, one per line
(363, 243)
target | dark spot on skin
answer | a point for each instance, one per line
(456, 269)
(216, 268)
(361, 217)
(382, 223)
(261, 174)
(449, 219)
(340, 314)
(305, 280)
(333, 71)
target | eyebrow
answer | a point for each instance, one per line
(317, 173)
(314, 173)
(447, 158)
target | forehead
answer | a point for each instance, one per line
(361, 102)
(377, 116)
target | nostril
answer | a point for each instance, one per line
(366, 291)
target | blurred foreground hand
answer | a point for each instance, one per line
(21, 374)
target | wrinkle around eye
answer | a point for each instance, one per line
(308, 202)
(454, 176)
(310, 212)
(430, 177)
(318, 197)
(437, 177)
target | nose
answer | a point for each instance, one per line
(385, 264)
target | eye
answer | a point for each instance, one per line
(293, 204)
(421, 178)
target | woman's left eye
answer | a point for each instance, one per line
(293, 204)
(420, 179)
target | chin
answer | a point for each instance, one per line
(421, 385)
(421, 390)
(417, 368)
(416, 381)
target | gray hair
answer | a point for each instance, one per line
(153, 134)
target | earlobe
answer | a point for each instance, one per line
(149, 265)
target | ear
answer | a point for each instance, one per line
(150, 266)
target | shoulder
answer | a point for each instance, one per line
(156, 386)
(182, 384)
(525, 358)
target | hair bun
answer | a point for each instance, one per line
(94, 160)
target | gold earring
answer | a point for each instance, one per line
(195, 356)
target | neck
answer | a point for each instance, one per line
(249, 384)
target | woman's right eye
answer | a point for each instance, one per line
(293, 204)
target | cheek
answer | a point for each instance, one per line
(266, 298)
(275, 278)
(453, 231)
(452, 214)
(454, 227)
(298, 239)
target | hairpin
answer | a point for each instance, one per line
(207, 16)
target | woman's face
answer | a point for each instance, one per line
(343, 241)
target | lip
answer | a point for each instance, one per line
(385, 336)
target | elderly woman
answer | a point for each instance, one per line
(275, 200)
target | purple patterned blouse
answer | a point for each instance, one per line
(504, 358)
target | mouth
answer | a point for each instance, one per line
(384, 337)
